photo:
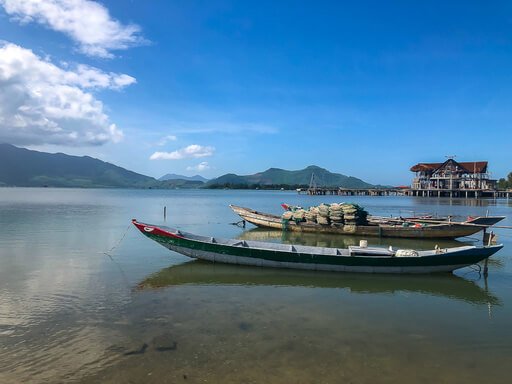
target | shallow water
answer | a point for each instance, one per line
(140, 313)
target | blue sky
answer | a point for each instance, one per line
(365, 88)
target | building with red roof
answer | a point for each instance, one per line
(452, 176)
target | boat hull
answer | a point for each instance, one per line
(250, 255)
(435, 231)
(241, 260)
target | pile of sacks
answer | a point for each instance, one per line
(296, 214)
(336, 214)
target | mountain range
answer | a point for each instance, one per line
(27, 168)
(279, 177)
(173, 176)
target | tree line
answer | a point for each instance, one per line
(505, 183)
(256, 186)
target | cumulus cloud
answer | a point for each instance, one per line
(190, 152)
(42, 103)
(203, 166)
(166, 139)
(86, 22)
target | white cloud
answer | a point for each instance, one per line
(192, 151)
(203, 166)
(166, 139)
(41, 103)
(87, 22)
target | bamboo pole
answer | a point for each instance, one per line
(433, 221)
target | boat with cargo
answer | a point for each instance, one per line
(389, 227)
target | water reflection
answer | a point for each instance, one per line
(199, 272)
(455, 201)
(343, 241)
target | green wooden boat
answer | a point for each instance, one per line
(351, 259)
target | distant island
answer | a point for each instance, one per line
(22, 167)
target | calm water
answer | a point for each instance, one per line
(69, 312)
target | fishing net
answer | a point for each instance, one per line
(336, 214)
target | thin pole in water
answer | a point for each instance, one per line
(165, 212)
(486, 262)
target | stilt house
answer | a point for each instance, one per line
(452, 176)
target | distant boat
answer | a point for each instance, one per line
(413, 228)
(351, 259)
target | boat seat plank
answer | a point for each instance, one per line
(369, 251)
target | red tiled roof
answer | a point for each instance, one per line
(470, 166)
(425, 167)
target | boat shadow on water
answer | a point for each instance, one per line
(203, 273)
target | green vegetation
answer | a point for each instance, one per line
(25, 168)
(275, 178)
(256, 186)
(180, 184)
(505, 183)
(173, 176)
(20, 167)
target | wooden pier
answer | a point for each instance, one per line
(352, 192)
(459, 193)
(464, 193)
(474, 188)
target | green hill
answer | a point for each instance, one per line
(180, 184)
(25, 168)
(280, 177)
(173, 176)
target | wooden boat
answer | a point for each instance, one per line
(424, 229)
(351, 259)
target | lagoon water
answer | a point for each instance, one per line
(85, 298)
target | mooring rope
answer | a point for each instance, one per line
(476, 268)
(108, 253)
(119, 242)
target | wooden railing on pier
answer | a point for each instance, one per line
(353, 191)
(464, 193)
